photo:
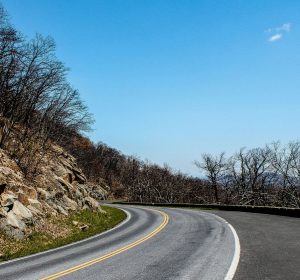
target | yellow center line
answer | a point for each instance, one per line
(113, 253)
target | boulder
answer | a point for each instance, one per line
(65, 183)
(12, 231)
(70, 203)
(62, 210)
(43, 194)
(82, 190)
(78, 194)
(35, 211)
(97, 192)
(15, 221)
(92, 203)
(84, 227)
(16, 233)
(35, 203)
(20, 210)
(59, 187)
(86, 207)
(79, 176)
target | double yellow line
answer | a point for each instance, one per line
(113, 253)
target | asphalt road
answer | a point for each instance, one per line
(270, 245)
(184, 244)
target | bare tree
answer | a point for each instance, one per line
(286, 161)
(37, 104)
(214, 168)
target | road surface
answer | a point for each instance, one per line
(166, 244)
(270, 245)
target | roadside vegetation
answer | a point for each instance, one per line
(38, 107)
(61, 231)
(266, 176)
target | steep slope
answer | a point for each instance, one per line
(59, 188)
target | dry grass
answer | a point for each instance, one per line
(58, 231)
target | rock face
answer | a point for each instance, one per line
(60, 188)
(21, 211)
(15, 221)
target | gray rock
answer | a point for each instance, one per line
(81, 189)
(15, 221)
(91, 202)
(84, 227)
(71, 204)
(35, 211)
(79, 176)
(86, 207)
(64, 183)
(62, 210)
(20, 210)
(78, 194)
(43, 194)
(15, 233)
(35, 203)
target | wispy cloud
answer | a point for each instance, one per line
(286, 27)
(275, 37)
(278, 32)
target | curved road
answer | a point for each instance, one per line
(270, 245)
(172, 244)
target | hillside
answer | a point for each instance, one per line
(39, 113)
(43, 129)
(59, 188)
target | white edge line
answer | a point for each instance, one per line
(73, 243)
(237, 247)
(236, 256)
(237, 250)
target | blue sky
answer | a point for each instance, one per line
(170, 80)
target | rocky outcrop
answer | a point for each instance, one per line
(58, 189)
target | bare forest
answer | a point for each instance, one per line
(38, 107)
